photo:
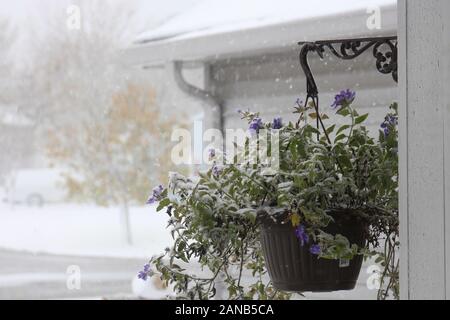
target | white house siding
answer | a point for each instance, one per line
(270, 84)
(424, 28)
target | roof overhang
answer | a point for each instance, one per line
(263, 39)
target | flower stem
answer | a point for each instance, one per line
(353, 123)
(319, 120)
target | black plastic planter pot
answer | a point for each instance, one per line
(293, 268)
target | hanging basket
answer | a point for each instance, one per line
(293, 268)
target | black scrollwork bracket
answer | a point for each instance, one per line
(384, 51)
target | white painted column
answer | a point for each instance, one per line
(424, 83)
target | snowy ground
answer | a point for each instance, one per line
(71, 232)
(82, 230)
(38, 244)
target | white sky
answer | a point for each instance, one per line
(31, 17)
(21, 11)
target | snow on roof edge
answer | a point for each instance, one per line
(173, 29)
(283, 36)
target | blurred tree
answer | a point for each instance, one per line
(118, 160)
(7, 41)
(12, 126)
(74, 73)
(90, 116)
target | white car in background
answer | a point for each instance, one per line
(36, 187)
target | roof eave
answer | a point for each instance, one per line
(270, 38)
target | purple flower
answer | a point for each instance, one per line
(343, 99)
(386, 130)
(156, 194)
(315, 249)
(255, 125)
(389, 122)
(302, 235)
(212, 154)
(143, 275)
(277, 123)
(216, 171)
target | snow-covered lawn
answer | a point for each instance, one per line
(82, 230)
(93, 231)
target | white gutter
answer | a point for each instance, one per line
(210, 104)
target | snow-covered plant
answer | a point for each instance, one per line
(215, 219)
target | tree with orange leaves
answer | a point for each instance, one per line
(116, 161)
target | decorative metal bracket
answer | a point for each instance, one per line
(384, 51)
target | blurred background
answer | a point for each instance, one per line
(83, 140)
(90, 93)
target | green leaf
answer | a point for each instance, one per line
(361, 119)
(310, 128)
(381, 136)
(343, 112)
(331, 129)
(344, 160)
(181, 246)
(341, 129)
(294, 150)
(340, 137)
(162, 204)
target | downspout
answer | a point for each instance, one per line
(211, 106)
